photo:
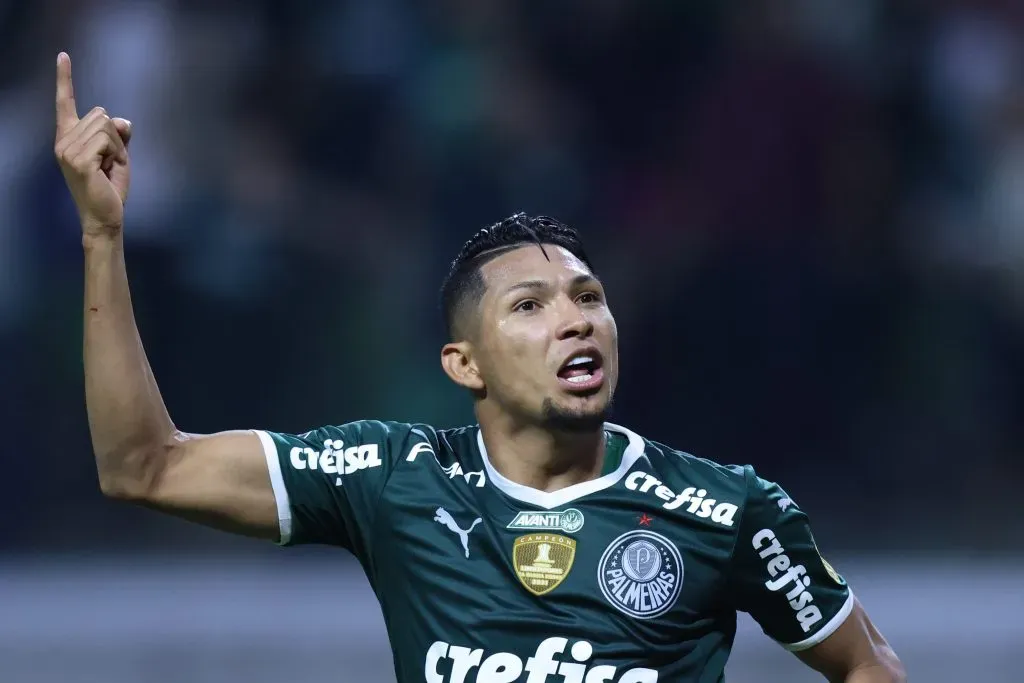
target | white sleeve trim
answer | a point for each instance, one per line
(284, 510)
(826, 630)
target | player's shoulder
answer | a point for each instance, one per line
(396, 441)
(366, 431)
(392, 439)
(692, 485)
(698, 469)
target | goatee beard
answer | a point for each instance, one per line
(573, 421)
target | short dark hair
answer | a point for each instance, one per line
(464, 285)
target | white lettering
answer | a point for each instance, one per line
(800, 585)
(465, 665)
(761, 536)
(792, 575)
(681, 499)
(572, 673)
(369, 456)
(697, 500)
(542, 664)
(774, 548)
(633, 479)
(785, 574)
(501, 667)
(706, 508)
(649, 483)
(435, 653)
(778, 564)
(327, 462)
(802, 600)
(808, 617)
(351, 459)
(723, 513)
(463, 660)
(335, 458)
(699, 504)
(296, 458)
(602, 674)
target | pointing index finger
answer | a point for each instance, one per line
(67, 114)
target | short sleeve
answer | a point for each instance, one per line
(777, 574)
(328, 482)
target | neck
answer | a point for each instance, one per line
(543, 459)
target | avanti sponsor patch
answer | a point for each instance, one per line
(567, 521)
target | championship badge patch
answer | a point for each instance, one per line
(641, 574)
(828, 567)
(542, 561)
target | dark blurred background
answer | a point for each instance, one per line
(809, 216)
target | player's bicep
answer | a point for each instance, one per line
(857, 645)
(222, 480)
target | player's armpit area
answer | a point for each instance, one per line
(218, 480)
(855, 653)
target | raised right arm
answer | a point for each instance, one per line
(221, 480)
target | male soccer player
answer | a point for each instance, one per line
(543, 544)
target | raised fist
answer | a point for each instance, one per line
(93, 156)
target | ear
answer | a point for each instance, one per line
(458, 363)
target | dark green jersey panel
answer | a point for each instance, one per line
(332, 479)
(777, 573)
(635, 576)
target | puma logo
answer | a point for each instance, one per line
(442, 516)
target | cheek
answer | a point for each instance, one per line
(607, 328)
(519, 355)
(524, 363)
(612, 342)
(607, 321)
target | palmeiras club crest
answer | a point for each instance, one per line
(641, 574)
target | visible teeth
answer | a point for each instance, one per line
(580, 361)
(579, 378)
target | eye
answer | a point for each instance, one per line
(527, 306)
(588, 298)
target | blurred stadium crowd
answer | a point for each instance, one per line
(809, 216)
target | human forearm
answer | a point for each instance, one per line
(878, 673)
(224, 479)
(855, 653)
(128, 421)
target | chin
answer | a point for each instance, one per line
(585, 416)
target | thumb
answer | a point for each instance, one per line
(124, 129)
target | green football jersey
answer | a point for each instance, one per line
(633, 577)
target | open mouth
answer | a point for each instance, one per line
(582, 370)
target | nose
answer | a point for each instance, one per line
(574, 323)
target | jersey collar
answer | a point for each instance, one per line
(553, 499)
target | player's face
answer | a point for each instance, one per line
(548, 346)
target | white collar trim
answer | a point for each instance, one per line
(553, 499)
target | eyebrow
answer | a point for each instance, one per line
(581, 279)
